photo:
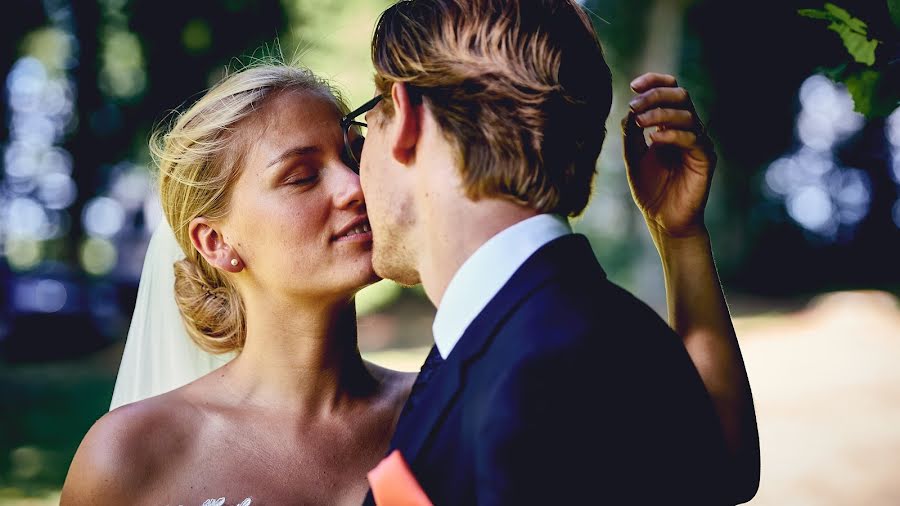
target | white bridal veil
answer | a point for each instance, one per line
(159, 356)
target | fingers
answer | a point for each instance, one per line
(661, 103)
(680, 138)
(667, 118)
(677, 98)
(650, 80)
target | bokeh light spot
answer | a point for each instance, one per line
(25, 218)
(23, 254)
(196, 36)
(98, 256)
(122, 73)
(27, 462)
(49, 295)
(811, 207)
(103, 217)
(827, 116)
(57, 191)
(893, 128)
(52, 46)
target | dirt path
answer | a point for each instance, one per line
(826, 383)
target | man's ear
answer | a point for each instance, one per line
(408, 117)
(210, 243)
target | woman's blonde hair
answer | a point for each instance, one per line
(199, 158)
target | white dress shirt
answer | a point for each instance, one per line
(484, 273)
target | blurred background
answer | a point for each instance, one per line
(804, 211)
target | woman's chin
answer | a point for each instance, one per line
(371, 279)
(356, 277)
(367, 277)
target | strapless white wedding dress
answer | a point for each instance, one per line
(220, 501)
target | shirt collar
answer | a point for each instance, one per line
(484, 273)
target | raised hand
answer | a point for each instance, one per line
(670, 178)
(670, 182)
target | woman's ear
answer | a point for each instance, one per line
(408, 127)
(210, 243)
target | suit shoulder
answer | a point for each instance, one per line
(572, 326)
(592, 305)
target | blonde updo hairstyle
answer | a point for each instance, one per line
(199, 157)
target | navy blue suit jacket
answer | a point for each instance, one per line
(566, 389)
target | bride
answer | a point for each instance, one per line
(264, 203)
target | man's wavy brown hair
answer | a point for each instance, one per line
(519, 87)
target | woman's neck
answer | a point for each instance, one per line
(299, 357)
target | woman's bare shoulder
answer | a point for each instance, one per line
(127, 448)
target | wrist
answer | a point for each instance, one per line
(687, 241)
(687, 233)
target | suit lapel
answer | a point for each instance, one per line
(438, 396)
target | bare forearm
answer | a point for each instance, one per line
(697, 309)
(698, 312)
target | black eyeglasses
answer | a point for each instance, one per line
(355, 132)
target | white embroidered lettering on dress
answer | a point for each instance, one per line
(220, 501)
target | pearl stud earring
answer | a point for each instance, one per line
(234, 262)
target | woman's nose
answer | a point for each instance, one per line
(348, 192)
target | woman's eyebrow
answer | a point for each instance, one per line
(295, 151)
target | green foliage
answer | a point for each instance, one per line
(865, 81)
(853, 31)
(894, 9)
(863, 87)
(53, 406)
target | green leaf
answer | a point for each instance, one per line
(862, 88)
(858, 45)
(838, 14)
(853, 31)
(836, 74)
(894, 9)
(872, 95)
(814, 14)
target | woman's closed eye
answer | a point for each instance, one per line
(297, 166)
(301, 176)
(299, 181)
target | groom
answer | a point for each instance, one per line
(548, 384)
